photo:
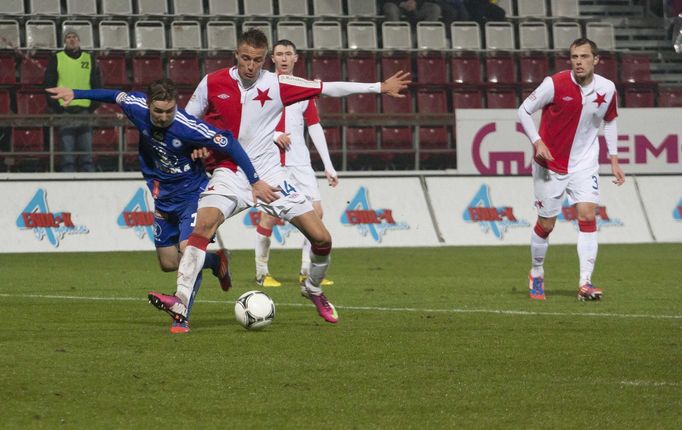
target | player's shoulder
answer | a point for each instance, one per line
(604, 83)
(298, 82)
(134, 99)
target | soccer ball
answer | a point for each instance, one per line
(254, 310)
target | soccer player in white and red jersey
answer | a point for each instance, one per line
(574, 104)
(296, 158)
(248, 101)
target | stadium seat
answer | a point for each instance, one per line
(221, 35)
(639, 97)
(361, 103)
(467, 99)
(396, 142)
(84, 29)
(392, 63)
(562, 61)
(223, 7)
(151, 7)
(183, 97)
(31, 102)
(531, 8)
(12, 7)
(431, 69)
(81, 7)
(635, 68)
(113, 69)
(669, 96)
(9, 34)
(533, 69)
(301, 66)
(327, 35)
(533, 36)
(362, 35)
(150, 35)
(108, 109)
(45, 7)
(258, 8)
(601, 33)
(507, 6)
(326, 67)
(499, 36)
(147, 69)
(186, 35)
(396, 35)
(188, 7)
(434, 147)
(213, 63)
(328, 7)
(502, 98)
(184, 69)
(361, 144)
(263, 26)
(41, 34)
(565, 8)
(32, 71)
(131, 161)
(465, 35)
(105, 139)
(607, 67)
(29, 139)
(114, 35)
(431, 36)
(361, 67)
(292, 8)
(8, 68)
(500, 68)
(362, 8)
(294, 31)
(117, 7)
(5, 102)
(564, 33)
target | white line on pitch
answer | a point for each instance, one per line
(373, 308)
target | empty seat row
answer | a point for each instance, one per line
(192, 7)
(187, 34)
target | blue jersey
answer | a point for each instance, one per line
(165, 153)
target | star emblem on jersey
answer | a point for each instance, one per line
(601, 98)
(262, 96)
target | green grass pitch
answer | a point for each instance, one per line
(428, 338)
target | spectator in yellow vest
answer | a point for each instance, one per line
(73, 68)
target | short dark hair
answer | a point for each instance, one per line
(253, 37)
(284, 42)
(585, 41)
(161, 90)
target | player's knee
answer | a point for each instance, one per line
(168, 267)
(321, 248)
(544, 227)
(587, 226)
(267, 221)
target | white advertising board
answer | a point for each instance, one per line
(497, 211)
(662, 198)
(48, 216)
(359, 212)
(492, 142)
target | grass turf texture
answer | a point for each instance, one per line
(423, 342)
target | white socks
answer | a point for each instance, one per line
(305, 257)
(190, 266)
(262, 254)
(538, 251)
(587, 254)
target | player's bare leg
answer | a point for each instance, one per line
(587, 250)
(305, 254)
(321, 245)
(539, 245)
(262, 249)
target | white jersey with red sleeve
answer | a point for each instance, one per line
(251, 114)
(571, 118)
(294, 118)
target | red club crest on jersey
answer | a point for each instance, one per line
(262, 96)
(601, 98)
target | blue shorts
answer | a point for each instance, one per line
(174, 223)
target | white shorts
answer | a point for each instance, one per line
(304, 178)
(551, 187)
(230, 192)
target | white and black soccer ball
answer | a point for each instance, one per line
(254, 310)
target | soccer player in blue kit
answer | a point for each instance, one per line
(168, 136)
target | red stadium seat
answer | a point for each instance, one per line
(361, 143)
(131, 161)
(108, 109)
(184, 69)
(8, 68)
(562, 61)
(361, 103)
(147, 69)
(33, 68)
(607, 67)
(326, 67)
(183, 97)
(329, 105)
(361, 68)
(5, 102)
(467, 99)
(465, 69)
(28, 140)
(431, 70)
(431, 102)
(301, 68)
(635, 68)
(500, 69)
(390, 64)
(397, 141)
(434, 147)
(639, 97)
(213, 63)
(31, 102)
(533, 69)
(113, 69)
(105, 139)
(397, 104)
(502, 98)
(670, 97)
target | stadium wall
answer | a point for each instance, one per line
(99, 212)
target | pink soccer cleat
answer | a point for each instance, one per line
(179, 327)
(172, 305)
(223, 273)
(324, 308)
(588, 292)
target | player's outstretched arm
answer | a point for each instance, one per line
(61, 93)
(67, 94)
